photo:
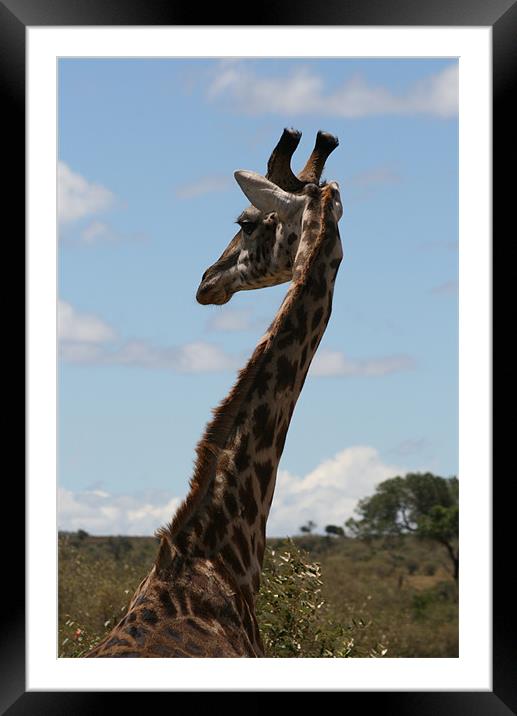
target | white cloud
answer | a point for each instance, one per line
(80, 352)
(329, 493)
(99, 493)
(86, 339)
(83, 328)
(204, 185)
(99, 512)
(196, 357)
(231, 320)
(97, 231)
(257, 95)
(334, 363)
(411, 446)
(77, 197)
(303, 92)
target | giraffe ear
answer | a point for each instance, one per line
(266, 196)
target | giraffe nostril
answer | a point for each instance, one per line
(202, 298)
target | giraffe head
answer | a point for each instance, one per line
(261, 252)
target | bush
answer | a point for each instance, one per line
(75, 640)
(119, 546)
(293, 617)
(447, 591)
(412, 566)
(430, 569)
(425, 603)
(421, 602)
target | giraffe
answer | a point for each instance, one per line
(198, 599)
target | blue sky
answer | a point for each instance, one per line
(147, 200)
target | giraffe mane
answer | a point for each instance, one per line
(213, 441)
(326, 198)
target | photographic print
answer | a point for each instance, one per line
(258, 357)
(207, 208)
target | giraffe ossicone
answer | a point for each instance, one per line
(198, 599)
(268, 197)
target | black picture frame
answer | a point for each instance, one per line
(15, 17)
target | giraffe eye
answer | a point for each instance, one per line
(248, 227)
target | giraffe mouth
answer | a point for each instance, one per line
(208, 296)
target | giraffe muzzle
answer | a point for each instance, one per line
(209, 295)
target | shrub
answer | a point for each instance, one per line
(425, 603)
(119, 546)
(421, 602)
(75, 640)
(412, 566)
(447, 591)
(293, 617)
(430, 569)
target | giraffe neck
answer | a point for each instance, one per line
(224, 515)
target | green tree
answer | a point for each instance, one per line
(335, 530)
(308, 527)
(419, 503)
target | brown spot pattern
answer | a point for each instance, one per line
(301, 317)
(318, 288)
(247, 498)
(285, 374)
(241, 456)
(210, 538)
(231, 503)
(264, 473)
(241, 543)
(303, 357)
(149, 616)
(262, 381)
(280, 439)
(232, 560)
(316, 319)
(167, 603)
(263, 427)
